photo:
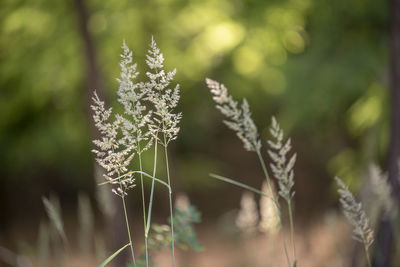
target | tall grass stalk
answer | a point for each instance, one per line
(291, 221)
(143, 206)
(367, 255)
(276, 203)
(239, 119)
(258, 152)
(262, 194)
(151, 197)
(129, 232)
(122, 137)
(164, 99)
(127, 223)
(356, 216)
(170, 201)
(282, 167)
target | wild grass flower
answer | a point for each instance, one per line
(381, 192)
(239, 118)
(165, 122)
(356, 217)
(136, 128)
(247, 218)
(110, 154)
(132, 96)
(269, 222)
(162, 96)
(135, 131)
(240, 121)
(53, 210)
(281, 166)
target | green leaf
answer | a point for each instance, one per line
(104, 263)
(252, 189)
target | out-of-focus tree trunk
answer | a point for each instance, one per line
(385, 242)
(116, 237)
(394, 149)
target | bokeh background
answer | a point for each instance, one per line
(321, 67)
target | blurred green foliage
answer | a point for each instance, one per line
(320, 66)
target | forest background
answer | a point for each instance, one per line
(323, 68)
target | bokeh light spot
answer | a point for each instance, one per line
(247, 60)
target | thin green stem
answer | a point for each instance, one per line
(142, 187)
(152, 190)
(367, 255)
(155, 179)
(127, 227)
(292, 230)
(170, 202)
(266, 174)
(245, 186)
(126, 216)
(144, 205)
(147, 249)
(273, 197)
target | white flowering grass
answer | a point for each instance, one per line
(114, 158)
(163, 97)
(239, 119)
(379, 193)
(247, 218)
(124, 137)
(164, 125)
(269, 217)
(282, 168)
(356, 217)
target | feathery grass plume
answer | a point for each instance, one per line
(164, 121)
(110, 155)
(135, 129)
(114, 158)
(85, 218)
(240, 121)
(356, 217)
(269, 222)
(239, 118)
(53, 210)
(247, 217)
(281, 167)
(380, 190)
(164, 98)
(131, 95)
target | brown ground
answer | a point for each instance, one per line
(324, 244)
